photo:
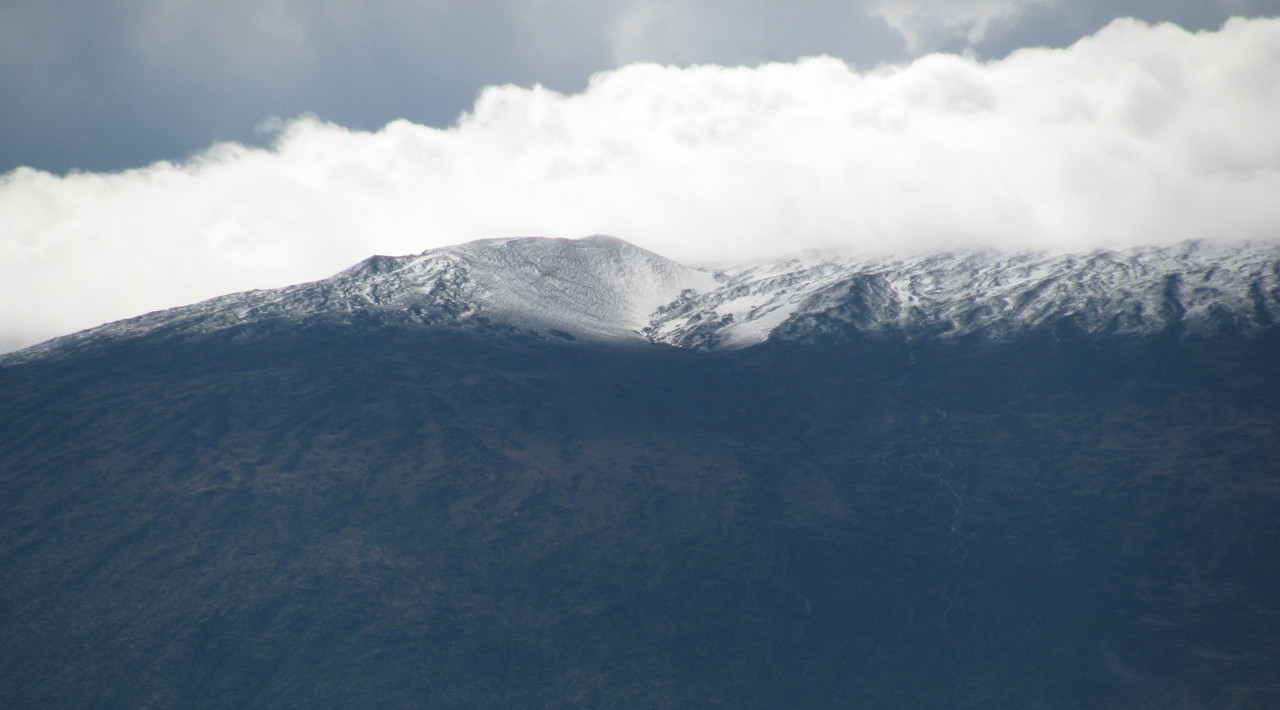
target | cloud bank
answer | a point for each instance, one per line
(114, 85)
(1138, 134)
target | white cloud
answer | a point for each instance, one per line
(1136, 135)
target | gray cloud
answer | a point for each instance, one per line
(113, 85)
(749, 32)
(101, 86)
(1139, 134)
(1058, 23)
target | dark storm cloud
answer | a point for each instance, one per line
(114, 85)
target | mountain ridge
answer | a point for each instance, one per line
(603, 289)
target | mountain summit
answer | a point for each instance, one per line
(606, 290)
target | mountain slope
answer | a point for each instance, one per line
(333, 501)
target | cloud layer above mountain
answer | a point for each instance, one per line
(1138, 134)
(112, 85)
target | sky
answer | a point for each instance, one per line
(158, 152)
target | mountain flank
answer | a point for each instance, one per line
(1056, 487)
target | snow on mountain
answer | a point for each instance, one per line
(1193, 287)
(604, 289)
(598, 288)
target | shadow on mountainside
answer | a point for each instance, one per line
(407, 518)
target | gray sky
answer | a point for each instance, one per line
(113, 85)
(176, 151)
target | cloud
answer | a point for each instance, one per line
(687, 32)
(103, 85)
(1059, 23)
(1139, 134)
(111, 85)
(925, 23)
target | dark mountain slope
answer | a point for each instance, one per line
(387, 516)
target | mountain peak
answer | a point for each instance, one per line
(604, 289)
(599, 287)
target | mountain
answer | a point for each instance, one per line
(604, 289)
(564, 474)
(598, 288)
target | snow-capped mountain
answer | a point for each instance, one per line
(1194, 287)
(367, 488)
(597, 288)
(605, 289)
